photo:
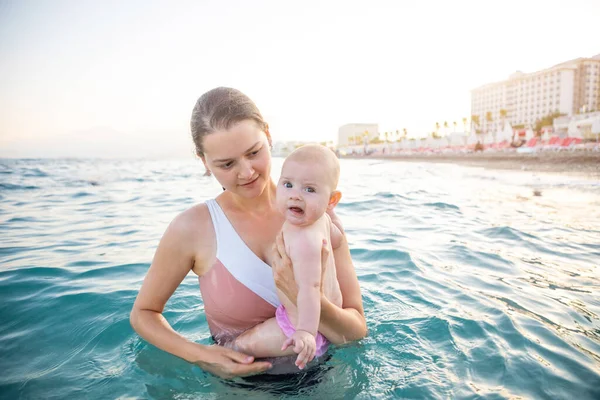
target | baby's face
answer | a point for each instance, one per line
(303, 192)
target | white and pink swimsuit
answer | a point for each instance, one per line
(239, 290)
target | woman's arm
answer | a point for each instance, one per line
(339, 325)
(174, 258)
(349, 286)
(346, 324)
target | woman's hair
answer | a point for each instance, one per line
(219, 109)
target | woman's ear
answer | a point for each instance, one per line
(204, 162)
(334, 199)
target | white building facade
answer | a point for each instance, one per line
(349, 134)
(568, 88)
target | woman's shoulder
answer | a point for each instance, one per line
(192, 233)
(192, 223)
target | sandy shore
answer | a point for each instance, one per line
(579, 163)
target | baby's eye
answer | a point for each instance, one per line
(310, 189)
(287, 185)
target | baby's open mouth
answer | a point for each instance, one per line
(296, 210)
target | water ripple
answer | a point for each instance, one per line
(471, 290)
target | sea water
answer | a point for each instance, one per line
(473, 286)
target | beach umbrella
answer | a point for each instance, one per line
(596, 126)
(546, 134)
(529, 134)
(430, 143)
(498, 135)
(507, 133)
(488, 138)
(457, 139)
(574, 129)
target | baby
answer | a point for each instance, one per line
(306, 190)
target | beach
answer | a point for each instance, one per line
(578, 163)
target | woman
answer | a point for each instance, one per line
(228, 243)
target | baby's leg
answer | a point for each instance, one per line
(263, 340)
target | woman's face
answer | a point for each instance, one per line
(239, 158)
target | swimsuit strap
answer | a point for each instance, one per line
(239, 260)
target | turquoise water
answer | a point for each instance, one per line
(473, 288)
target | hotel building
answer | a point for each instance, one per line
(569, 88)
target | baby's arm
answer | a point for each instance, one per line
(305, 253)
(265, 339)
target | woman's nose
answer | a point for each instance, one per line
(246, 171)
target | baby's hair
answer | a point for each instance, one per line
(318, 154)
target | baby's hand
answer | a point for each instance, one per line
(305, 346)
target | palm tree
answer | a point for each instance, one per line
(437, 127)
(402, 138)
(454, 123)
(446, 131)
(387, 135)
(475, 125)
(488, 119)
(503, 114)
(465, 123)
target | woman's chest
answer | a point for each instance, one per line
(259, 233)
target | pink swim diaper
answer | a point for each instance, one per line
(288, 330)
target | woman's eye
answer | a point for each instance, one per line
(228, 165)
(254, 153)
(287, 185)
(310, 189)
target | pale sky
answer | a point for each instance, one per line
(118, 78)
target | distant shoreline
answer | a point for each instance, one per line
(579, 163)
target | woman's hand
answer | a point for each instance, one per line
(336, 220)
(283, 273)
(227, 363)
